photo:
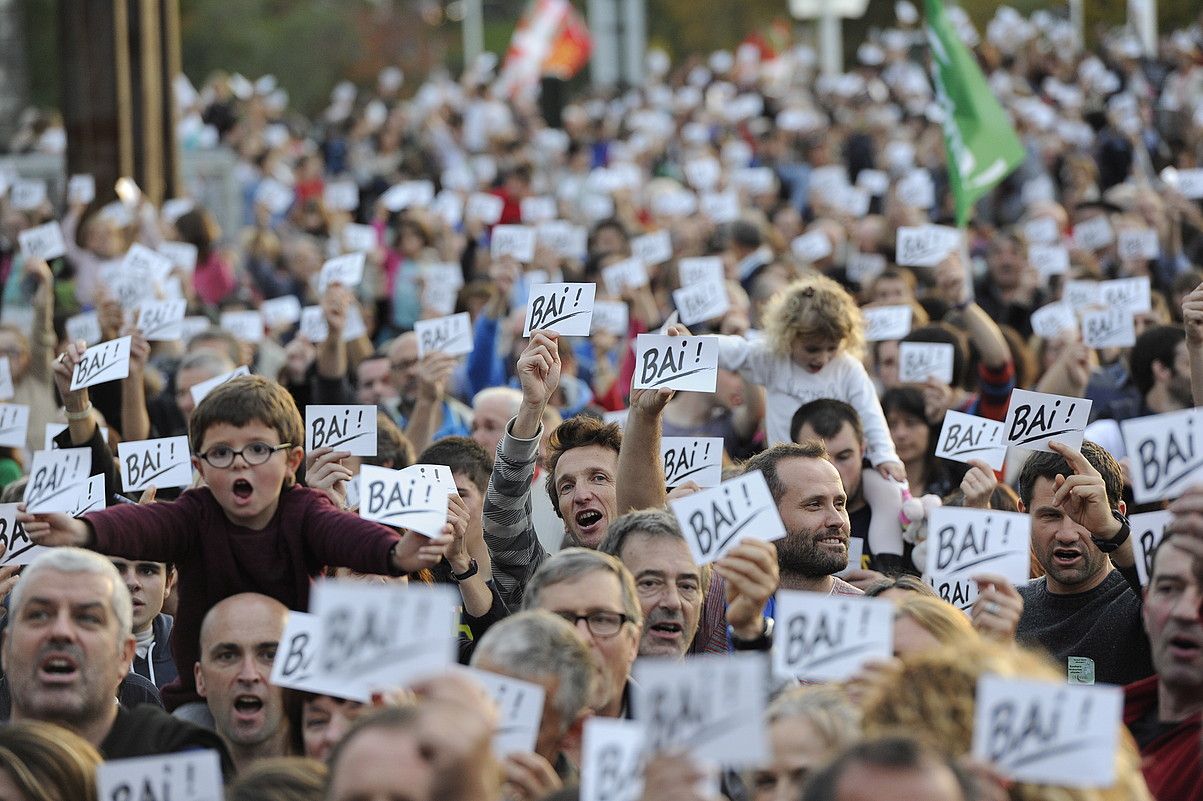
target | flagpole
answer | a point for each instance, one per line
(473, 31)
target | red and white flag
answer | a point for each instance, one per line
(551, 40)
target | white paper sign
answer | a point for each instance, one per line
(517, 241)
(1108, 328)
(696, 459)
(876, 182)
(346, 270)
(811, 247)
(160, 463)
(1094, 234)
(199, 391)
(281, 311)
(315, 329)
(622, 274)
(1041, 231)
(612, 316)
(688, 364)
(884, 323)
(358, 238)
(677, 701)
(703, 301)
(195, 325)
(181, 254)
(52, 430)
(1148, 530)
(162, 321)
(520, 710)
(19, 549)
(81, 189)
(179, 776)
(26, 194)
(409, 193)
(918, 361)
(720, 207)
(863, 267)
(963, 542)
(1166, 452)
(140, 260)
(820, 637)
(451, 335)
(1082, 294)
(108, 361)
(537, 209)
(563, 238)
(612, 759)
(1051, 320)
(1130, 294)
(1138, 244)
(1036, 418)
(701, 268)
(917, 189)
(246, 325)
(1190, 183)
(341, 195)
(964, 437)
(703, 173)
(293, 665)
(856, 552)
(91, 497)
(55, 478)
(7, 391)
(926, 245)
(43, 241)
(715, 520)
(403, 501)
(484, 207)
(564, 308)
(14, 424)
(1045, 732)
(343, 428)
(653, 248)
(382, 636)
(438, 474)
(84, 326)
(1049, 259)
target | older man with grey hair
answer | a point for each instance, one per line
(672, 587)
(539, 647)
(596, 594)
(67, 647)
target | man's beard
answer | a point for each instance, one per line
(1180, 391)
(799, 552)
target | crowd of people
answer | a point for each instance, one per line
(783, 188)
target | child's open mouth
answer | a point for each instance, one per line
(242, 489)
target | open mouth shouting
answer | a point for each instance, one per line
(242, 489)
(1184, 649)
(247, 708)
(58, 669)
(590, 523)
(1066, 557)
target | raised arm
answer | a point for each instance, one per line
(640, 464)
(135, 419)
(41, 337)
(1192, 317)
(427, 413)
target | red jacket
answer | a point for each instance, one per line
(1171, 761)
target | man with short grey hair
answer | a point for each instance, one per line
(672, 587)
(67, 647)
(595, 593)
(492, 410)
(539, 647)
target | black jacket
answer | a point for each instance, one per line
(158, 666)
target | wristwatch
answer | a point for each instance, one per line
(1111, 545)
(762, 643)
(467, 574)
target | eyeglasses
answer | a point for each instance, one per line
(222, 456)
(402, 366)
(600, 624)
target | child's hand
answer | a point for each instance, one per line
(324, 470)
(414, 552)
(893, 470)
(53, 529)
(979, 485)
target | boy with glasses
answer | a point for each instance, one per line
(249, 529)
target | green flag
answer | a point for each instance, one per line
(982, 146)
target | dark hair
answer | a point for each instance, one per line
(945, 334)
(1157, 344)
(890, 753)
(1046, 464)
(826, 416)
(245, 400)
(197, 227)
(462, 455)
(392, 446)
(908, 400)
(577, 432)
(768, 461)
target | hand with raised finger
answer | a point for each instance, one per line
(1083, 496)
(539, 368)
(752, 575)
(979, 484)
(998, 607)
(529, 777)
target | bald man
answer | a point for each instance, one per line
(238, 643)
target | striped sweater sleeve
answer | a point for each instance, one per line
(508, 524)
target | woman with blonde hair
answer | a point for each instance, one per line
(806, 727)
(931, 695)
(923, 623)
(43, 762)
(280, 779)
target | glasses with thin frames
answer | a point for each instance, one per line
(222, 456)
(600, 624)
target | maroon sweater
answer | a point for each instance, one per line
(216, 558)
